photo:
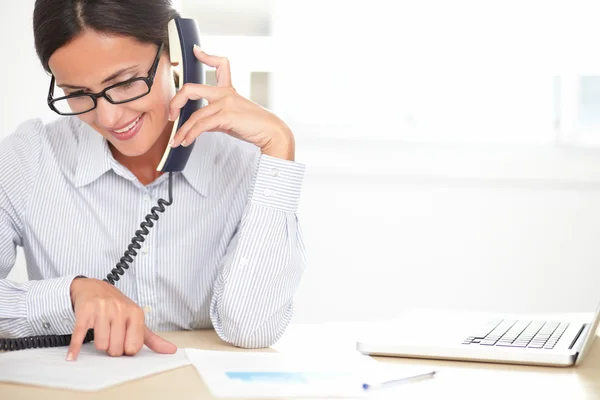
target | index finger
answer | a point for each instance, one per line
(223, 71)
(193, 91)
(79, 332)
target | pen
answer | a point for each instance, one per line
(385, 384)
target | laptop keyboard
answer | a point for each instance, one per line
(516, 333)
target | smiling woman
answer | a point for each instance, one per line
(230, 255)
(119, 123)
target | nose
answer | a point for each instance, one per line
(108, 114)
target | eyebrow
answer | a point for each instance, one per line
(110, 78)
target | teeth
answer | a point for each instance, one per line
(128, 127)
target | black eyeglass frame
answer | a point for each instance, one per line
(149, 80)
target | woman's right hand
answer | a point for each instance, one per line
(117, 321)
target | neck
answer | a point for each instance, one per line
(144, 166)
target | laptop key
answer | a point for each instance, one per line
(511, 344)
(519, 344)
(485, 329)
(515, 330)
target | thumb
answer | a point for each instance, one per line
(158, 344)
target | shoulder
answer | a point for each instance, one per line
(35, 145)
(33, 137)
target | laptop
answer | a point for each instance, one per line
(484, 337)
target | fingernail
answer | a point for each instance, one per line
(69, 356)
(197, 48)
(171, 142)
(183, 142)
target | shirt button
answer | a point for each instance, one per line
(67, 322)
(268, 192)
(147, 309)
(145, 250)
(275, 172)
(46, 325)
(147, 198)
(244, 261)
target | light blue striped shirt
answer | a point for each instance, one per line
(228, 253)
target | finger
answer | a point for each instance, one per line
(158, 344)
(102, 331)
(214, 122)
(82, 324)
(117, 337)
(222, 65)
(202, 113)
(193, 91)
(134, 337)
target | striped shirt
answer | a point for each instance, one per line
(227, 254)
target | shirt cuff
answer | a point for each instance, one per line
(49, 308)
(278, 183)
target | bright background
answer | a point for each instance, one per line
(451, 147)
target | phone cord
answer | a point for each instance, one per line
(122, 265)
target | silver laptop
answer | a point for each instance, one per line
(484, 337)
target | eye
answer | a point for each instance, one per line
(126, 85)
(75, 92)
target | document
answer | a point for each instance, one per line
(93, 370)
(243, 374)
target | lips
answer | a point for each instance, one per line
(128, 131)
(128, 127)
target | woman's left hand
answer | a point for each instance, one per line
(229, 112)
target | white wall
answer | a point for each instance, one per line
(471, 216)
(378, 245)
(384, 237)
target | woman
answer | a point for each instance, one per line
(228, 253)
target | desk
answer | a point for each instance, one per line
(456, 380)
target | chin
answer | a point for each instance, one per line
(129, 148)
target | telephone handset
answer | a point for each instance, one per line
(183, 35)
(189, 69)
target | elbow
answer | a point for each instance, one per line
(250, 334)
(246, 339)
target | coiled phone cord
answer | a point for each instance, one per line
(65, 340)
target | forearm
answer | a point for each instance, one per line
(253, 296)
(36, 308)
(252, 303)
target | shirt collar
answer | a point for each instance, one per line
(198, 170)
(94, 158)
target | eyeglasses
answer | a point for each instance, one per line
(122, 92)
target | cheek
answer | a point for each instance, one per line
(88, 118)
(160, 98)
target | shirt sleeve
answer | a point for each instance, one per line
(252, 302)
(34, 307)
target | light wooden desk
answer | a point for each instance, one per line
(456, 380)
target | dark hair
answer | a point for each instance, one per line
(57, 22)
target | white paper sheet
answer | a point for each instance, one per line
(93, 370)
(268, 375)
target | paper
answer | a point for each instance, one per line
(93, 369)
(268, 375)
